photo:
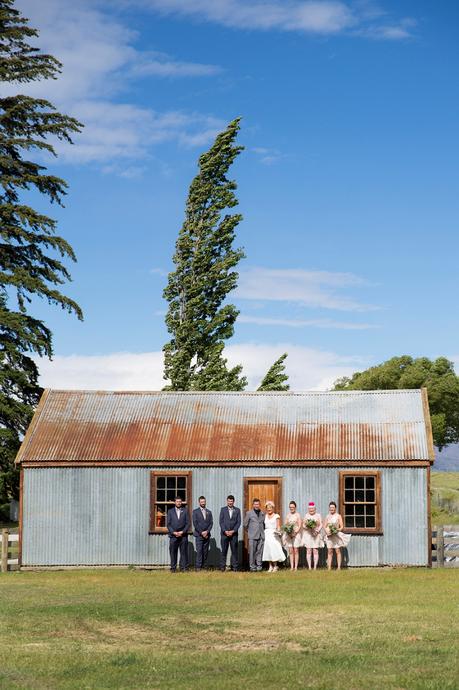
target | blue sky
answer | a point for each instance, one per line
(348, 182)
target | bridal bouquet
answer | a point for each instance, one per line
(310, 523)
(332, 529)
(288, 529)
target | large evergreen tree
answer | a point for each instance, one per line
(438, 376)
(275, 378)
(197, 318)
(31, 253)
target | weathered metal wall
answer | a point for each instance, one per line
(100, 516)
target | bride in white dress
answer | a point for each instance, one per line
(272, 549)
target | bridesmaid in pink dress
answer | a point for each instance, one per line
(335, 542)
(292, 543)
(312, 539)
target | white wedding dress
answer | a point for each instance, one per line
(272, 549)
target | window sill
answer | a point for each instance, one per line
(364, 532)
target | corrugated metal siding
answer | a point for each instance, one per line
(100, 516)
(404, 503)
(74, 426)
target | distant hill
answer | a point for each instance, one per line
(448, 459)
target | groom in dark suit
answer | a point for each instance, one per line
(203, 523)
(178, 526)
(230, 521)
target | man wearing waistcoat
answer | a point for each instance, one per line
(254, 522)
(230, 521)
(202, 523)
(178, 526)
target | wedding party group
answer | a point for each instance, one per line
(269, 539)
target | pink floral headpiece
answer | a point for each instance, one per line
(311, 503)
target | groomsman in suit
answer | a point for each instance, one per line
(178, 526)
(230, 521)
(203, 523)
(254, 522)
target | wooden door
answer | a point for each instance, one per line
(266, 489)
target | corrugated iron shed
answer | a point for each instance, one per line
(103, 426)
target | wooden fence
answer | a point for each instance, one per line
(10, 548)
(445, 546)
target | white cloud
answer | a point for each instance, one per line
(393, 33)
(162, 65)
(316, 289)
(267, 156)
(308, 369)
(93, 48)
(115, 131)
(307, 16)
(315, 16)
(303, 323)
(130, 172)
(117, 371)
(389, 31)
(100, 61)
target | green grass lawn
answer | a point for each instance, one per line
(445, 498)
(362, 628)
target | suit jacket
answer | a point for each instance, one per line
(227, 523)
(255, 524)
(201, 525)
(175, 524)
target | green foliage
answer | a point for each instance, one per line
(216, 376)
(438, 376)
(197, 318)
(276, 378)
(31, 253)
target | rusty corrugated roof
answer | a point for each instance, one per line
(97, 426)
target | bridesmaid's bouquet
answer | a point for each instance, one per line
(288, 529)
(332, 529)
(310, 523)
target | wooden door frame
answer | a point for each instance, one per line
(245, 494)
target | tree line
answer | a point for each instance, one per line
(199, 319)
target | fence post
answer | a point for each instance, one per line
(4, 550)
(440, 547)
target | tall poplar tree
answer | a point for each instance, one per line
(31, 253)
(275, 378)
(197, 319)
